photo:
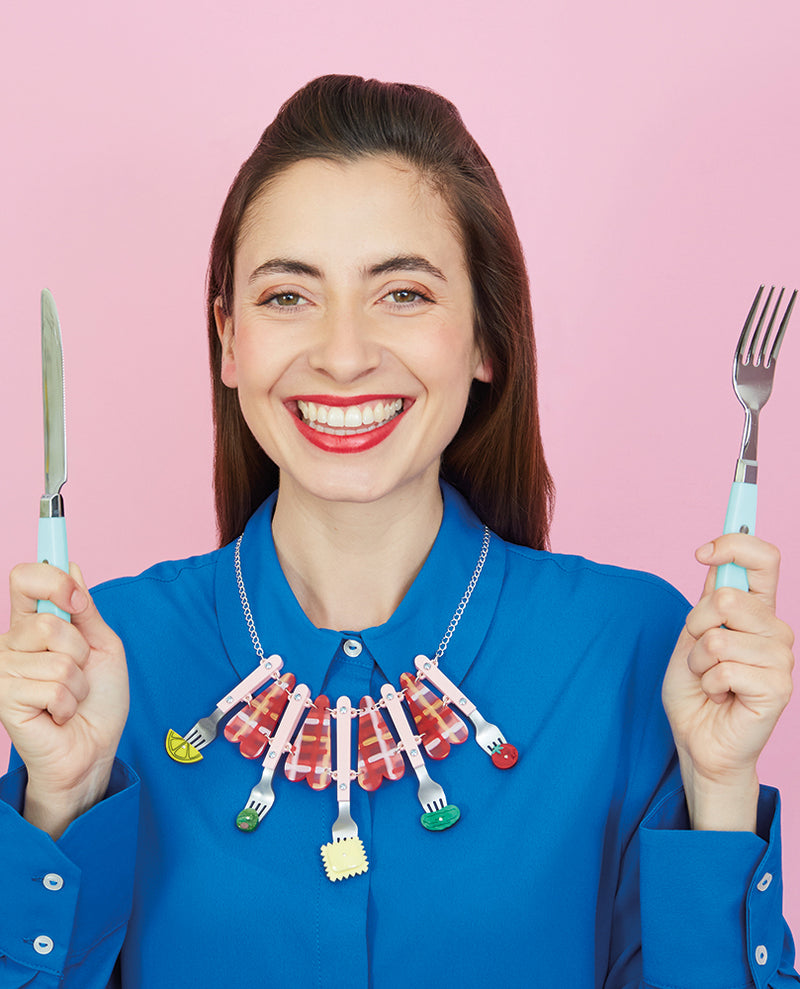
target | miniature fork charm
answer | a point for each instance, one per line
(205, 731)
(753, 371)
(487, 735)
(262, 796)
(344, 856)
(438, 813)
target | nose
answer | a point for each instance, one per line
(344, 348)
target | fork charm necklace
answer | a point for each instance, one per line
(270, 720)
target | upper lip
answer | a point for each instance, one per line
(344, 400)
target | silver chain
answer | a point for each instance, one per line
(457, 615)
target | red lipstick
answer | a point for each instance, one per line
(347, 440)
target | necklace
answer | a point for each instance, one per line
(269, 720)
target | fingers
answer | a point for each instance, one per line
(759, 558)
(44, 682)
(761, 690)
(739, 610)
(720, 646)
(33, 582)
(44, 632)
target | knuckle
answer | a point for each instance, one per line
(62, 668)
(714, 642)
(726, 599)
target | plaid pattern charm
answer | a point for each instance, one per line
(378, 755)
(436, 723)
(310, 758)
(253, 726)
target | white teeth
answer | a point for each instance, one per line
(354, 417)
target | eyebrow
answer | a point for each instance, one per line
(285, 266)
(400, 262)
(407, 262)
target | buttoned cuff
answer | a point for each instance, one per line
(63, 900)
(711, 901)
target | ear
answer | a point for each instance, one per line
(483, 368)
(226, 338)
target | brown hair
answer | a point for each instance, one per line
(496, 458)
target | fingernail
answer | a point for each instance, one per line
(705, 552)
(78, 600)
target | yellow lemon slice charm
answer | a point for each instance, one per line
(180, 750)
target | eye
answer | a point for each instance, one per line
(284, 300)
(406, 298)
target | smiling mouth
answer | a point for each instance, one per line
(349, 420)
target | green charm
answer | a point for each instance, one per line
(439, 820)
(247, 820)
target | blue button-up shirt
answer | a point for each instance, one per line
(575, 868)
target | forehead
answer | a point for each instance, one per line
(368, 205)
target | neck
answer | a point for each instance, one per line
(348, 564)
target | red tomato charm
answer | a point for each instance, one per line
(505, 756)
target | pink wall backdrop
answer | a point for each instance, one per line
(651, 155)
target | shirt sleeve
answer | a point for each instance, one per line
(66, 903)
(711, 902)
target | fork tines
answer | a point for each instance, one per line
(764, 357)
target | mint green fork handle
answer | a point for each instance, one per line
(740, 517)
(52, 549)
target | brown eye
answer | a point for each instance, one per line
(286, 299)
(401, 295)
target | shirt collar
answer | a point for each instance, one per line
(417, 626)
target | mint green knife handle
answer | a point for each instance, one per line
(53, 550)
(740, 517)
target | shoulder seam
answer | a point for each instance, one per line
(607, 569)
(150, 575)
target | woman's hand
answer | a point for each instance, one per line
(63, 694)
(727, 682)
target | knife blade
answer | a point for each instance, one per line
(52, 546)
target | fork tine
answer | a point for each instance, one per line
(751, 350)
(773, 356)
(763, 349)
(747, 324)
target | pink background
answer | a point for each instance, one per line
(650, 153)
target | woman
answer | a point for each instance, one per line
(375, 414)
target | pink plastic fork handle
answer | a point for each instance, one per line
(343, 708)
(268, 667)
(298, 701)
(395, 708)
(445, 686)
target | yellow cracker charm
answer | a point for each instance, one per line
(343, 859)
(180, 750)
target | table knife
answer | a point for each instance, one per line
(52, 547)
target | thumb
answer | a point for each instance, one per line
(88, 619)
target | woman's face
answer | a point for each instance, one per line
(350, 336)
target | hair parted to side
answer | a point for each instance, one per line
(496, 458)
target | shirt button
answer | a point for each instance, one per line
(52, 881)
(761, 955)
(766, 879)
(352, 647)
(43, 945)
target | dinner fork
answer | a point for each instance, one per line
(262, 796)
(487, 735)
(205, 731)
(753, 371)
(430, 794)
